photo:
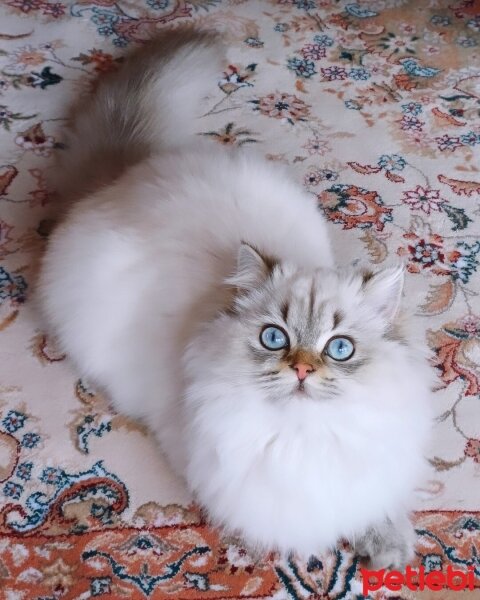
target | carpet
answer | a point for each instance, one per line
(374, 105)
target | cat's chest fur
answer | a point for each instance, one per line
(275, 467)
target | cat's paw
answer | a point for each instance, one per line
(388, 545)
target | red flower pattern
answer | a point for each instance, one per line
(457, 348)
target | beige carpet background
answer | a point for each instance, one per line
(375, 107)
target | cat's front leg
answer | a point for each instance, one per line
(389, 544)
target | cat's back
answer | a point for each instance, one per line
(213, 199)
(202, 202)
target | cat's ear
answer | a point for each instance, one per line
(253, 268)
(383, 290)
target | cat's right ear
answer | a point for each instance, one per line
(384, 290)
(253, 268)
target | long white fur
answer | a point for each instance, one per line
(133, 285)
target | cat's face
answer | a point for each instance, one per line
(302, 335)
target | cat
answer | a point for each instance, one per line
(197, 287)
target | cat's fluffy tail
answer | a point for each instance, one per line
(149, 104)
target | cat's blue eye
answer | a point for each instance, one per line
(274, 338)
(340, 348)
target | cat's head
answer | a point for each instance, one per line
(295, 333)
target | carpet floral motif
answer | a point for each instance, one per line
(374, 106)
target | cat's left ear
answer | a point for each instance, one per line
(383, 290)
(253, 268)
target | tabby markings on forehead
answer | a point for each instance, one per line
(308, 329)
(312, 302)
(285, 307)
(338, 317)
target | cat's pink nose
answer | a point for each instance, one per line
(303, 369)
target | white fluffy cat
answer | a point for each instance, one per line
(196, 286)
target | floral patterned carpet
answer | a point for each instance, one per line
(375, 106)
